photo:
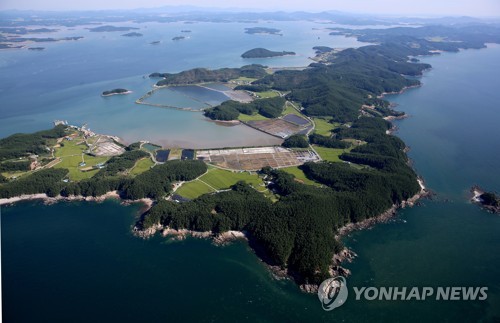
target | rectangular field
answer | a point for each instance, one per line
(256, 158)
(293, 118)
(218, 179)
(276, 127)
(300, 176)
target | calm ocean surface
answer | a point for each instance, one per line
(65, 80)
(79, 262)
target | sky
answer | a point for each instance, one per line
(391, 7)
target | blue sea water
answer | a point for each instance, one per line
(80, 262)
(66, 79)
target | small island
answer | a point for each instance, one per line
(263, 30)
(185, 31)
(132, 34)
(156, 42)
(178, 38)
(115, 92)
(108, 28)
(488, 200)
(36, 48)
(264, 53)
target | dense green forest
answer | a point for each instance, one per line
(10, 166)
(299, 230)
(200, 75)
(328, 142)
(296, 141)
(22, 144)
(230, 110)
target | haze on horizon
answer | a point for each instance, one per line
(484, 8)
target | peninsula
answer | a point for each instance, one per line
(339, 164)
(264, 53)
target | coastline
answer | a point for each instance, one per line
(148, 203)
(348, 255)
(381, 96)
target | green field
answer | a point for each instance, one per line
(141, 166)
(267, 94)
(193, 189)
(71, 156)
(15, 174)
(244, 79)
(299, 174)
(253, 117)
(330, 154)
(71, 163)
(291, 110)
(218, 179)
(323, 127)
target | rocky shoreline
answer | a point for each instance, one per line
(336, 269)
(348, 255)
(479, 195)
(219, 239)
(148, 203)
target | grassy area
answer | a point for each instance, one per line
(243, 79)
(355, 142)
(193, 189)
(299, 174)
(218, 179)
(141, 166)
(330, 154)
(69, 148)
(71, 156)
(323, 127)
(267, 94)
(291, 110)
(223, 179)
(71, 163)
(253, 117)
(15, 174)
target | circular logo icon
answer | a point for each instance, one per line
(333, 293)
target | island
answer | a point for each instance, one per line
(109, 28)
(185, 31)
(263, 30)
(132, 34)
(156, 42)
(488, 200)
(115, 92)
(178, 38)
(264, 53)
(36, 48)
